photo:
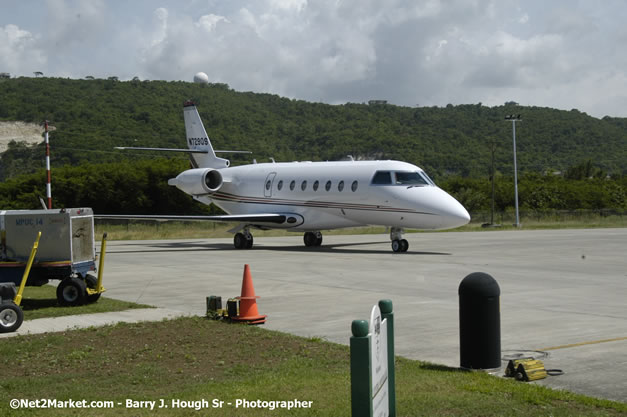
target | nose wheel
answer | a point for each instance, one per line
(399, 244)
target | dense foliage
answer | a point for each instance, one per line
(539, 193)
(141, 188)
(93, 116)
(454, 144)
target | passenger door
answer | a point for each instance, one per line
(267, 185)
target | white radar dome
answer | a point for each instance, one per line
(201, 78)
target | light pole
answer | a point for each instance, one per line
(515, 118)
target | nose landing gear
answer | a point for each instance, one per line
(399, 244)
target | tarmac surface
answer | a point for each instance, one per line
(562, 291)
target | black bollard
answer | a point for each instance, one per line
(479, 322)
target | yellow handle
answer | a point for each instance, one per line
(18, 297)
(103, 249)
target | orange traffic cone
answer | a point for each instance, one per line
(248, 301)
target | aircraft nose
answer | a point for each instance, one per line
(452, 213)
(458, 215)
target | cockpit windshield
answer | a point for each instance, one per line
(408, 178)
(425, 176)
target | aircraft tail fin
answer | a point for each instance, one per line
(198, 140)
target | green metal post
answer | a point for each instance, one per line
(388, 314)
(361, 385)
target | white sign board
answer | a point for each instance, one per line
(379, 361)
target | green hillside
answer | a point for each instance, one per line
(453, 144)
(93, 116)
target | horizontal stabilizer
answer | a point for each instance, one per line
(125, 148)
(174, 150)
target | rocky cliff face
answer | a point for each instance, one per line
(20, 132)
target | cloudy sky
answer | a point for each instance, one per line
(556, 53)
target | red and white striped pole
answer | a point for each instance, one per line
(48, 187)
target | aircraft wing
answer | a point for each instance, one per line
(273, 220)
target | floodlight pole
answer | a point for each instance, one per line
(514, 119)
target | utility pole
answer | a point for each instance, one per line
(515, 118)
(492, 180)
(48, 187)
(493, 144)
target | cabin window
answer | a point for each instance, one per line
(292, 185)
(410, 178)
(328, 186)
(354, 186)
(268, 185)
(382, 178)
(315, 185)
(340, 186)
(303, 186)
(279, 185)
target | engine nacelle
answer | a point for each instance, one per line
(198, 181)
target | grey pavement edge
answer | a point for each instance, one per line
(82, 321)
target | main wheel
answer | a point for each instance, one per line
(11, 317)
(404, 245)
(318, 239)
(72, 292)
(239, 241)
(310, 239)
(396, 245)
(92, 282)
(249, 241)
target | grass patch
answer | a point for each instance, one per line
(582, 219)
(153, 230)
(201, 230)
(196, 358)
(40, 302)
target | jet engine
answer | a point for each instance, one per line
(198, 181)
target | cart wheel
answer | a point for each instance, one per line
(72, 292)
(92, 282)
(11, 317)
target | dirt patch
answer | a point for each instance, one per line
(19, 132)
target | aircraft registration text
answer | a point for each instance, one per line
(197, 141)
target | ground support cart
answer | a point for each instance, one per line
(66, 251)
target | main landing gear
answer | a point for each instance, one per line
(312, 238)
(243, 239)
(398, 243)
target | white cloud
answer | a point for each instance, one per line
(18, 50)
(406, 51)
(209, 22)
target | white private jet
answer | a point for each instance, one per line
(309, 196)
